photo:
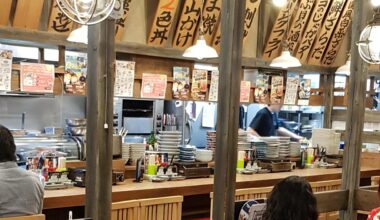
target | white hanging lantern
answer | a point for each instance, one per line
(369, 43)
(86, 12)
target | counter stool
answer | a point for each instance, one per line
(26, 217)
(322, 186)
(126, 210)
(162, 208)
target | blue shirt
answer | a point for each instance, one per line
(265, 123)
(21, 191)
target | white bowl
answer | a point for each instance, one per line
(203, 155)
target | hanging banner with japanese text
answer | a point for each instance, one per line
(5, 70)
(292, 82)
(213, 96)
(181, 82)
(125, 78)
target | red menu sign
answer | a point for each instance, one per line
(153, 86)
(37, 78)
(245, 91)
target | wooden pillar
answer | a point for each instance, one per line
(61, 56)
(355, 113)
(101, 59)
(232, 22)
(328, 99)
(41, 55)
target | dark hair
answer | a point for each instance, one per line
(7, 145)
(291, 199)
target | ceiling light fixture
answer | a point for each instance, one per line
(346, 68)
(200, 50)
(86, 12)
(285, 60)
(375, 3)
(279, 3)
(369, 43)
(79, 35)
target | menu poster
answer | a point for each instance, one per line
(38, 78)
(181, 82)
(124, 79)
(245, 91)
(153, 86)
(213, 96)
(199, 85)
(5, 70)
(277, 89)
(76, 73)
(304, 93)
(261, 90)
(292, 82)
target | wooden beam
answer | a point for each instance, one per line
(331, 200)
(328, 97)
(369, 116)
(366, 200)
(321, 42)
(232, 27)
(274, 44)
(5, 11)
(315, 22)
(339, 34)
(355, 113)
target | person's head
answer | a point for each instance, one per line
(291, 199)
(275, 107)
(7, 145)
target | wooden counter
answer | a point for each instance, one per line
(130, 190)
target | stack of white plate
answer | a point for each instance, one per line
(261, 149)
(243, 141)
(273, 144)
(295, 149)
(187, 153)
(284, 148)
(137, 150)
(169, 142)
(125, 152)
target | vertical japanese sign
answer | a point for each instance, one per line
(162, 22)
(213, 96)
(120, 23)
(35, 77)
(187, 24)
(58, 21)
(304, 92)
(261, 90)
(292, 82)
(245, 91)
(199, 85)
(277, 89)
(5, 70)
(181, 82)
(125, 78)
(339, 34)
(75, 73)
(299, 23)
(316, 18)
(211, 14)
(274, 44)
(328, 27)
(153, 86)
(252, 9)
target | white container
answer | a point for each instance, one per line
(203, 155)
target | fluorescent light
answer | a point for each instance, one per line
(285, 60)
(346, 68)
(200, 50)
(79, 35)
(279, 3)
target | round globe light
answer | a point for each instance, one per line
(279, 3)
(369, 43)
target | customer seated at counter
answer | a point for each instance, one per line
(21, 192)
(291, 199)
(265, 123)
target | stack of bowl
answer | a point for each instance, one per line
(76, 126)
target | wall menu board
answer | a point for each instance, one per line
(213, 96)
(125, 77)
(245, 91)
(304, 92)
(181, 82)
(153, 85)
(5, 70)
(38, 78)
(277, 89)
(75, 73)
(292, 82)
(199, 85)
(261, 91)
